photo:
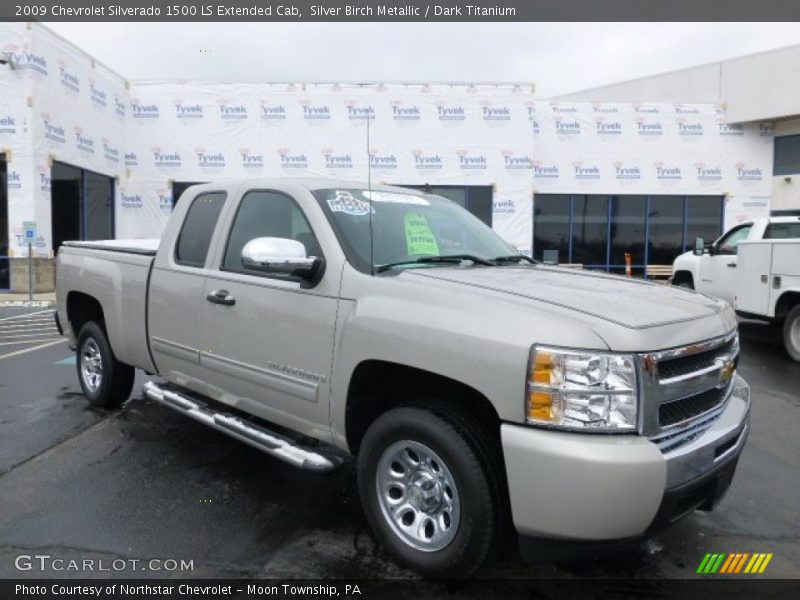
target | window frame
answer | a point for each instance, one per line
(721, 241)
(610, 267)
(774, 226)
(779, 170)
(192, 265)
(276, 276)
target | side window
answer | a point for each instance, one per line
(267, 214)
(782, 231)
(198, 227)
(730, 243)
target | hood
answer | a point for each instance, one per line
(630, 303)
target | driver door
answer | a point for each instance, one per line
(718, 270)
(268, 337)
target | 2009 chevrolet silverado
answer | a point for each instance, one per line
(317, 319)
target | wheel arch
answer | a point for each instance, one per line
(377, 386)
(82, 308)
(786, 302)
(683, 276)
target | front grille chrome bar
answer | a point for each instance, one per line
(690, 371)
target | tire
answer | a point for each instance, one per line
(687, 285)
(455, 521)
(791, 333)
(105, 381)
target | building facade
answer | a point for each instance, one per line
(86, 154)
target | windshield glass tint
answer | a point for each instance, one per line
(406, 227)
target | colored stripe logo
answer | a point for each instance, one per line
(735, 563)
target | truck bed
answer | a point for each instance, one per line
(117, 274)
(146, 247)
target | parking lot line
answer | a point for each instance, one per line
(28, 342)
(16, 335)
(38, 312)
(18, 352)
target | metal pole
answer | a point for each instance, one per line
(30, 271)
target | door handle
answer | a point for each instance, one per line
(732, 265)
(221, 297)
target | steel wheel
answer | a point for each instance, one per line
(418, 495)
(91, 365)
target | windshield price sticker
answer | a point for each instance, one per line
(345, 202)
(395, 198)
(420, 240)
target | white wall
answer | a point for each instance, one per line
(758, 87)
(65, 107)
(148, 134)
(697, 85)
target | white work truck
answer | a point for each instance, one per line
(768, 286)
(712, 269)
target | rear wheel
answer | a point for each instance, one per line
(105, 381)
(791, 333)
(430, 487)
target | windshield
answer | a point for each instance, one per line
(406, 227)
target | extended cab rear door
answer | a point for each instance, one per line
(175, 294)
(268, 347)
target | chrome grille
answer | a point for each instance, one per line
(684, 390)
(683, 365)
(679, 411)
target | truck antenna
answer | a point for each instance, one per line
(369, 186)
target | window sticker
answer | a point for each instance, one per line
(395, 198)
(345, 202)
(419, 236)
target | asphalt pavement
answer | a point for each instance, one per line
(143, 482)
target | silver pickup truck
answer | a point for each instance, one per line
(489, 399)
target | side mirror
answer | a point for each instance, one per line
(279, 255)
(699, 246)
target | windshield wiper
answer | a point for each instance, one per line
(449, 258)
(514, 257)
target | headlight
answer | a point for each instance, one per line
(583, 390)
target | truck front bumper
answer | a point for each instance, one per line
(607, 488)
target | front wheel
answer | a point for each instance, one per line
(430, 490)
(105, 381)
(791, 333)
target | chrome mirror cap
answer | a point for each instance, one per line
(278, 255)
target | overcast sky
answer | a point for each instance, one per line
(557, 57)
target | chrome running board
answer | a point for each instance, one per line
(272, 443)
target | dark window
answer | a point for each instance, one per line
(730, 243)
(703, 219)
(99, 200)
(589, 230)
(81, 204)
(598, 230)
(477, 199)
(5, 266)
(267, 214)
(666, 229)
(179, 187)
(787, 155)
(627, 229)
(198, 227)
(782, 231)
(551, 227)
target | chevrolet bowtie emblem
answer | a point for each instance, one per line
(727, 371)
